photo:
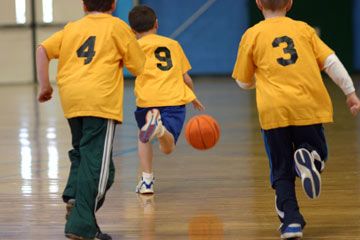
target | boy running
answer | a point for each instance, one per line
(162, 91)
(282, 59)
(91, 53)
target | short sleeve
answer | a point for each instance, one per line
(321, 50)
(53, 44)
(129, 48)
(244, 68)
(185, 64)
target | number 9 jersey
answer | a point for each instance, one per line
(162, 83)
(91, 53)
(286, 58)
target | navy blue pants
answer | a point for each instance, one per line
(280, 144)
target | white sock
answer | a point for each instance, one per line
(147, 177)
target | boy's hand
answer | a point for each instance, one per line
(353, 102)
(198, 105)
(45, 93)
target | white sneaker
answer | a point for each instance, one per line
(153, 126)
(145, 187)
(309, 174)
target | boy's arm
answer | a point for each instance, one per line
(135, 58)
(244, 68)
(42, 65)
(246, 86)
(337, 72)
(196, 103)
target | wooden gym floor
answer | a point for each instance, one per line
(223, 193)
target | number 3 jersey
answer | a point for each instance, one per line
(162, 83)
(286, 58)
(91, 53)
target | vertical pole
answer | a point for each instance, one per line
(33, 26)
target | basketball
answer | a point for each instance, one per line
(202, 132)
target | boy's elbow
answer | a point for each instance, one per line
(246, 86)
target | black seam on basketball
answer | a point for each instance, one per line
(199, 127)
(217, 134)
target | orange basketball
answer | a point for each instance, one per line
(202, 132)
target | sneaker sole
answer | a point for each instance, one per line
(292, 236)
(147, 191)
(310, 177)
(146, 133)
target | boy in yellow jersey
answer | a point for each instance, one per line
(162, 91)
(91, 53)
(282, 59)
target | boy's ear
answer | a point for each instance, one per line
(113, 6)
(289, 5)
(156, 25)
(84, 7)
(259, 5)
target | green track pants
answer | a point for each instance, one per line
(91, 174)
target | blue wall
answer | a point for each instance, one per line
(357, 35)
(210, 43)
(123, 7)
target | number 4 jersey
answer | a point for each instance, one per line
(162, 83)
(91, 53)
(286, 58)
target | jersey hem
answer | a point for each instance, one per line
(162, 104)
(94, 114)
(297, 123)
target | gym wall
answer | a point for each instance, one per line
(210, 40)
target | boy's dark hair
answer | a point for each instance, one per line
(274, 5)
(142, 18)
(98, 5)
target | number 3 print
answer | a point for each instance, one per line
(289, 49)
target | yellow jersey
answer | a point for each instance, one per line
(91, 53)
(286, 58)
(162, 83)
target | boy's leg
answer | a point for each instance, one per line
(166, 142)
(310, 156)
(146, 183)
(279, 148)
(93, 176)
(145, 152)
(74, 156)
(173, 121)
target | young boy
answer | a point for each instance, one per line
(91, 53)
(285, 58)
(162, 91)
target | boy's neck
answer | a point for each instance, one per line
(143, 34)
(273, 14)
(96, 12)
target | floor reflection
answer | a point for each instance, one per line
(206, 227)
(147, 203)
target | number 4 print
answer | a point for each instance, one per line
(87, 50)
